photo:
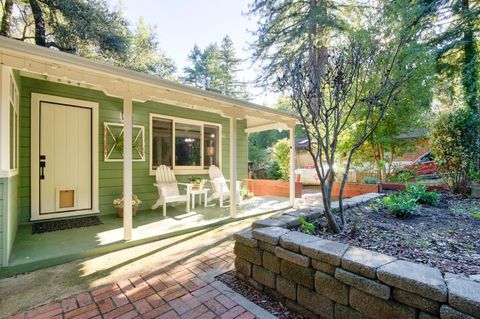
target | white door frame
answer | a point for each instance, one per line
(35, 154)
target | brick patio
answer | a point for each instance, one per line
(173, 292)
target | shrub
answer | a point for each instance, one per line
(281, 153)
(420, 193)
(401, 204)
(369, 180)
(305, 226)
(454, 138)
(273, 170)
(402, 177)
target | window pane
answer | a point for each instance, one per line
(211, 146)
(161, 143)
(187, 145)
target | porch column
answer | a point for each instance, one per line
(233, 166)
(292, 166)
(127, 168)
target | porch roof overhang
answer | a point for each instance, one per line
(47, 64)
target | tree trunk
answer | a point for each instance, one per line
(6, 19)
(469, 72)
(40, 38)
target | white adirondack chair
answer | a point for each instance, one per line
(168, 189)
(219, 186)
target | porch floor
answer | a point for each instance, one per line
(34, 251)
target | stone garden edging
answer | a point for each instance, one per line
(325, 279)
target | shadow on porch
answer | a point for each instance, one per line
(35, 251)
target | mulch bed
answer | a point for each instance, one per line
(55, 225)
(446, 236)
(260, 299)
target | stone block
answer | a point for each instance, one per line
(243, 266)
(325, 251)
(364, 262)
(447, 312)
(298, 274)
(250, 281)
(269, 222)
(298, 309)
(291, 221)
(323, 267)
(264, 276)
(271, 262)
(417, 278)
(253, 255)
(424, 315)
(416, 301)
(292, 257)
(269, 235)
(286, 288)
(294, 239)
(464, 294)
(314, 302)
(266, 246)
(370, 286)
(377, 308)
(245, 237)
(330, 287)
(344, 312)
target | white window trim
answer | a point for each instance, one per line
(185, 170)
(7, 78)
(35, 153)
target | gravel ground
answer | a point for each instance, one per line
(269, 304)
(446, 236)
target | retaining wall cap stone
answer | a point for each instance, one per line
(291, 221)
(447, 312)
(292, 257)
(463, 294)
(370, 286)
(269, 235)
(269, 222)
(324, 250)
(364, 262)
(294, 239)
(245, 237)
(417, 278)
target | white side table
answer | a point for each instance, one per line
(200, 192)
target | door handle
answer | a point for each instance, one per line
(43, 164)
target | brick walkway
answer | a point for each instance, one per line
(176, 291)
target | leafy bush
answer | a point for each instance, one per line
(369, 180)
(305, 226)
(402, 177)
(401, 204)
(273, 170)
(454, 138)
(281, 153)
(420, 193)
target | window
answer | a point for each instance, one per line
(14, 121)
(185, 145)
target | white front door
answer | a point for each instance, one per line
(65, 158)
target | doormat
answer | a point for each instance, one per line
(54, 225)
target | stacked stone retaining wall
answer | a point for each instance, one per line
(325, 279)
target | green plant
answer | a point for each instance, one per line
(475, 215)
(118, 202)
(422, 195)
(454, 138)
(281, 153)
(402, 177)
(369, 180)
(401, 204)
(475, 175)
(306, 227)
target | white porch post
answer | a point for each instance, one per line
(127, 168)
(292, 166)
(233, 166)
(4, 121)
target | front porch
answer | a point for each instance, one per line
(33, 251)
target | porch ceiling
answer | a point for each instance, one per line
(47, 64)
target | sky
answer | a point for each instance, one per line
(182, 23)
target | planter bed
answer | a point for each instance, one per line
(338, 278)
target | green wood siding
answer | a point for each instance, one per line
(111, 173)
(3, 181)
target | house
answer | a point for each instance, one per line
(67, 121)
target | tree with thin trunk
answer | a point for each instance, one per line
(6, 18)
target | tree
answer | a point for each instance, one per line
(143, 54)
(6, 18)
(215, 68)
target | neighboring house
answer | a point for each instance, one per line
(421, 146)
(63, 119)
